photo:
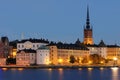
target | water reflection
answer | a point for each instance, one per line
(60, 73)
(115, 73)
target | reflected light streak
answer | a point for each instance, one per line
(90, 69)
(20, 69)
(4, 69)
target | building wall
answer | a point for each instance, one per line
(23, 58)
(53, 55)
(43, 57)
(113, 52)
(98, 50)
(62, 56)
(29, 45)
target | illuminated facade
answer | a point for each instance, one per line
(88, 35)
(26, 57)
(100, 49)
(60, 53)
(43, 56)
(113, 51)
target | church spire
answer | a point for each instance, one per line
(88, 19)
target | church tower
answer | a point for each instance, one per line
(88, 35)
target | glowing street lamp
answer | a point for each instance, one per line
(115, 60)
(60, 61)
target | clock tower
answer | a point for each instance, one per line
(88, 32)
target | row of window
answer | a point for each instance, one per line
(23, 46)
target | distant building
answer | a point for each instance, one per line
(60, 53)
(31, 44)
(4, 47)
(100, 49)
(88, 34)
(43, 55)
(26, 57)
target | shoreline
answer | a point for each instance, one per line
(57, 67)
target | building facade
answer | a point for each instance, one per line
(60, 53)
(26, 57)
(43, 55)
(31, 44)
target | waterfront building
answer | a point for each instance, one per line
(26, 57)
(43, 55)
(100, 49)
(60, 53)
(88, 32)
(113, 51)
(4, 47)
(31, 44)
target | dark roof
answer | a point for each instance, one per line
(44, 47)
(111, 46)
(102, 44)
(13, 43)
(27, 51)
(34, 40)
(93, 45)
(61, 45)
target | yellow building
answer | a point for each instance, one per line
(60, 53)
(113, 51)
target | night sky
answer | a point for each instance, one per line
(60, 20)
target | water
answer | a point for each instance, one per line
(61, 74)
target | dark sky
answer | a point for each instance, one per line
(60, 20)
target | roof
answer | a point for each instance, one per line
(69, 46)
(27, 51)
(43, 47)
(111, 46)
(34, 40)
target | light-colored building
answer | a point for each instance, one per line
(60, 53)
(31, 44)
(100, 49)
(26, 57)
(43, 55)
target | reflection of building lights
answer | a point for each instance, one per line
(90, 69)
(4, 69)
(60, 69)
(20, 69)
(79, 68)
(50, 69)
(101, 68)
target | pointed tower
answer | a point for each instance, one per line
(88, 36)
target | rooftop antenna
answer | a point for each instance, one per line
(22, 36)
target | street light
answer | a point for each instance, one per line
(115, 61)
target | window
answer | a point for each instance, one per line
(37, 46)
(33, 45)
(22, 46)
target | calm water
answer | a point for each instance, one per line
(61, 74)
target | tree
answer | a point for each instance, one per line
(97, 59)
(72, 59)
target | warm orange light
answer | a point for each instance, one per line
(60, 60)
(90, 62)
(114, 58)
(101, 62)
(4, 69)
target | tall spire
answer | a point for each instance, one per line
(88, 20)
